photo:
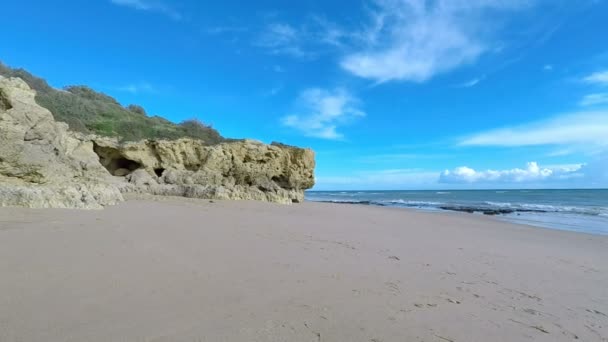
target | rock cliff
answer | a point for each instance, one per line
(43, 164)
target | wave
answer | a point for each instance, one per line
(547, 208)
(348, 202)
(499, 208)
(412, 203)
(486, 208)
(383, 203)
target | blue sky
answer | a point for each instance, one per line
(391, 94)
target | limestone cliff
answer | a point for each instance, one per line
(42, 164)
(186, 167)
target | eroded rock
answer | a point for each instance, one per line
(42, 164)
(236, 170)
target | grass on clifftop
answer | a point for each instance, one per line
(88, 111)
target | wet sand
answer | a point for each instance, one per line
(178, 270)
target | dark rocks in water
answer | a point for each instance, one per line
(488, 211)
(498, 211)
(356, 202)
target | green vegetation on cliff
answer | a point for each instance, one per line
(88, 111)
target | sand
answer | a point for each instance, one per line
(176, 270)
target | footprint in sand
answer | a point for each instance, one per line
(392, 288)
(596, 312)
(453, 301)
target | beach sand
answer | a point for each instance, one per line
(179, 270)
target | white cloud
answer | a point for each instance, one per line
(150, 6)
(594, 99)
(413, 40)
(322, 111)
(532, 173)
(592, 174)
(548, 67)
(589, 129)
(600, 77)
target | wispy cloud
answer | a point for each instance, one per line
(594, 99)
(321, 111)
(137, 88)
(284, 39)
(218, 30)
(315, 36)
(471, 83)
(600, 77)
(403, 157)
(588, 129)
(532, 173)
(150, 6)
(273, 91)
(413, 40)
(548, 67)
(379, 180)
(327, 32)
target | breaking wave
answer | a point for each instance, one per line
(487, 207)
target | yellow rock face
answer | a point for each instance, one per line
(42, 164)
(235, 170)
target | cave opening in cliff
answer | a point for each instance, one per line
(159, 171)
(282, 181)
(114, 161)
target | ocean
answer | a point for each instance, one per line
(574, 210)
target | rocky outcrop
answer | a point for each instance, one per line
(246, 170)
(42, 164)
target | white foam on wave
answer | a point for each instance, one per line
(499, 204)
(550, 208)
(413, 203)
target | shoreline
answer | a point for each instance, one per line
(174, 269)
(493, 218)
(520, 219)
(570, 210)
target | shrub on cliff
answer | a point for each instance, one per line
(88, 111)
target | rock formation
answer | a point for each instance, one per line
(238, 170)
(42, 164)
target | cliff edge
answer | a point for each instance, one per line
(45, 165)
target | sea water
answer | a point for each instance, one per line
(574, 210)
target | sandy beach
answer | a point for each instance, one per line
(178, 270)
